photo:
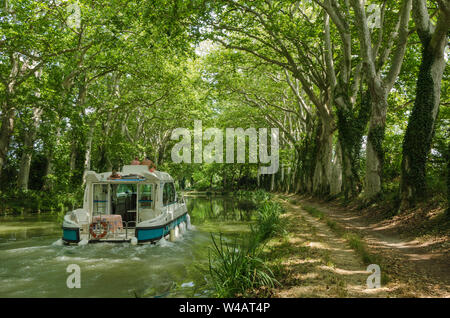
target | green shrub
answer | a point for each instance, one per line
(18, 200)
(257, 196)
(202, 185)
(261, 195)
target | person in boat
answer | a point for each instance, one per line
(135, 162)
(149, 163)
(114, 175)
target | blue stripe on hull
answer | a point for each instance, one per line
(71, 235)
(153, 234)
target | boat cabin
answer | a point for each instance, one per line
(114, 204)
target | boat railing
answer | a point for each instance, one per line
(111, 229)
(126, 223)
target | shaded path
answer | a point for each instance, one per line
(315, 262)
(421, 268)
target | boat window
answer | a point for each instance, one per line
(168, 193)
(100, 198)
(123, 201)
(126, 189)
(145, 196)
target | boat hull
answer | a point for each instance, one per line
(155, 233)
(143, 234)
(71, 234)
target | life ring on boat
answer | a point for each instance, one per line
(104, 225)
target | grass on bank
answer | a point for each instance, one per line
(240, 270)
(269, 223)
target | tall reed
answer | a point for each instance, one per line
(240, 269)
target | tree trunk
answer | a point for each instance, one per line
(349, 159)
(351, 125)
(374, 146)
(73, 154)
(272, 182)
(448, 181)
(336, 174)
(349, 180)
(6, 132)
(322, 170)
(25, 162)
(293, 177)
(288, 181)
(48, 182)
(380, 81)
(224, 179)
(420, 130)
(87, 156)
(8, 113)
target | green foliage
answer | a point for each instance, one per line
(133, 71)
(31, 201)
(257, 196)
(202, 185)
(268, 222)
(237, 270)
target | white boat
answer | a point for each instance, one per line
(140, 206)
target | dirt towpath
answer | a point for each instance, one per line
(424, 265)
(315, 261)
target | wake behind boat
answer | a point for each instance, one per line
(135, 206)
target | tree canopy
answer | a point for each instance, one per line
(359, 91)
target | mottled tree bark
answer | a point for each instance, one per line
(6, 131)
(336, 173)
(8, 112)
(25, 162)
(88, 152)
(379, 86)
(419, 133)
(49, 170)
(323, 167)
(374, 146)
(73, 154)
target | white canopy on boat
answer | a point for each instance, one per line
(142, 175)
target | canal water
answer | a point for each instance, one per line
(33, 263)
